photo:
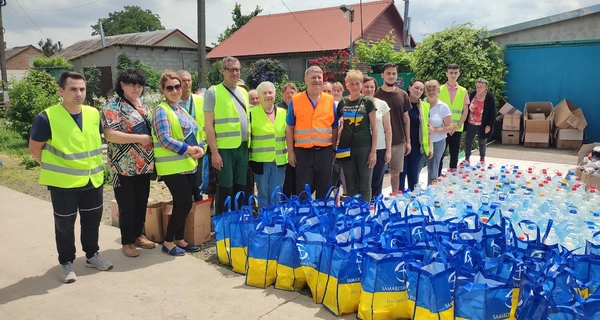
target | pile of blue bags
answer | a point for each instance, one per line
(383, 263)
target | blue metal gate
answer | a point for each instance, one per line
(554, 71)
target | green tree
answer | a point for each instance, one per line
(382, 51)
(53, 62)
(214, 75)
(477, 56)
(47, 47)
(239, 20)
(92, 82)
(152, 76)
(29, 97)
(132, 19)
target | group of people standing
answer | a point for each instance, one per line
(229, 135)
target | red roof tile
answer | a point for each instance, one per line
(322, 29)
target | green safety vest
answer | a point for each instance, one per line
(424, 108)
(72, 157)
(198, 102)
(168, 162)
(457, 106)
(227, 122)
(268, 139)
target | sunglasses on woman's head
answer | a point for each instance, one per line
(175, 87)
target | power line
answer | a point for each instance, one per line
(75, 7)
(35, 24)
(293, 15)
(30, 26)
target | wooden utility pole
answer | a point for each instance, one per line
(201, 44)
(3, 54)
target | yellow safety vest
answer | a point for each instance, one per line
(168, 162)
(72, 157)
(456, 107)
(268, 139)
(424, 110)
(198, 102)
(228, 130)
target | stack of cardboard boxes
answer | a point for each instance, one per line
(538, 118)
(588, 168)
(570, 123)
(511, 124)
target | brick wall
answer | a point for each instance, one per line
(21, 61)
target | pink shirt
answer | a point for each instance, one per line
(452, 92)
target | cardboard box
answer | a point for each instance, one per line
(569, 116)
(511, 137)
(568, 139)
(198, 223)
(536, 139)
(538, 125)
(167, 210)
(154, 222)
(537, 116)
(511, 118)
(585, 150)
(591, 180)
(114, 217)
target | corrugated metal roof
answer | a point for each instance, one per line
(15, 51)
(142, 39)
(546, 20)
(322, 29)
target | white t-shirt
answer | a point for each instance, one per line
(382, 110)
(437, 114)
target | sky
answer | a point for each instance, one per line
(68, 21)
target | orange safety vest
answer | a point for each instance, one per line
(313, 125)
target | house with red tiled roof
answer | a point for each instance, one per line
(295, 38)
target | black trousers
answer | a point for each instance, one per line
(452, 143)
(65, 204)
(180, 186)
(314, 167)
(289, 184)
(132, 197)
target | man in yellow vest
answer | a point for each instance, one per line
(457, 98)
(311, 134)
(226, 109)
(66, 141)
(194, 105)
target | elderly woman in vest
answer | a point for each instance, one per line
(357, 147)
(126, 122)
(419, 136)
(268, 149)
(176, 149)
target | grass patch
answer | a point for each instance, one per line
(11, 143)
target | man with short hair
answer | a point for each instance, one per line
(397, 100)
(457, 98)
(253, 98)
(66, 141)
(194, 105)
(289, 184)
(311, 134)
(228, 132)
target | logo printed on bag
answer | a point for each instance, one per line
(508, 301)
(537, 254)
(419, 232)
(519, 271)
(454, 235)
(468, 258)
(452, 281)
(466, 236)
(496, 250)
(502, 316)
(302, 251)
(400, 273)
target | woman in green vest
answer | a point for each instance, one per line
(419, 136)
(176, 149)
(268, 149)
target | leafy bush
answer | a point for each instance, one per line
(28, 162)
(382, 52)
(477, 56)
(152, 76)
(334, 66)
(53, 62)
(279, 88)
(92, 78)
(107, 175)
(265, 70)
(214, 75)
(29, 97)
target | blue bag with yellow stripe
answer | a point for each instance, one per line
(591, 307)
(264, 246)
(239, 231)
(289, 273)
(315, 252)
(483, 297)
(222, 231)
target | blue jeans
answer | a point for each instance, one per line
(433, 164)
(272, 177)
(413, 163)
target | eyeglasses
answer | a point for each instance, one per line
(175, 87)
(233, 70)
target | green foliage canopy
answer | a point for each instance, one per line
(132, 19)
(239, 20)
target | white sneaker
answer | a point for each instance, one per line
(98, 262)
(67, 275)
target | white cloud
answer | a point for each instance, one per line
(72, 25)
